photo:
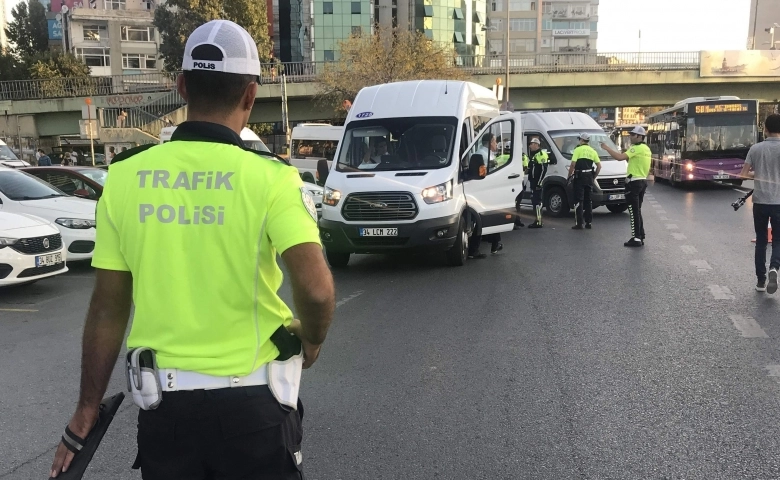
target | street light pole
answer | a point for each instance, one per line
(506, 87)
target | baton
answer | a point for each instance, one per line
(78, 466)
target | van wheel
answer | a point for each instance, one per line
(456, 256)
(618, 208)
(337, 259)
(556, 203)
(307, 177)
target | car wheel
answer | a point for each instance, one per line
(456, 256)
(556, 203)
(337, 259)
(618, 208)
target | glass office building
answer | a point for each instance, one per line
(335, 21)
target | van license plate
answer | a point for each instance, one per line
(619, 196)
(46, 260)
(721, 177)
(378, 232)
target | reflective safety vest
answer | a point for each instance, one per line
(639, 160)
(199, 221)
(585, 158)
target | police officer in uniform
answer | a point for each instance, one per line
(639, 159)
(537, 170)
(188, 231)
(585, 167)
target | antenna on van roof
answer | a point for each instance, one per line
(446, 84)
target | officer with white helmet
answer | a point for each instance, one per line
(639, 159)
(585, 167)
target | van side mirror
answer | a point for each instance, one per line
(322, 171)
(477, 169)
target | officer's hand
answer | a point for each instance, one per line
(310, 351)
(602, 144)
(80, 424)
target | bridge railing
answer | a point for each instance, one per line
(303, 72)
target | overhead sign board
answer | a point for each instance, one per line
(740, 63)
(571, 32)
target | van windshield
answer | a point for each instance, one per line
(393, 144)
(567, 141)
(6, 153)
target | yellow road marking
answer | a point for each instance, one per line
(16, 310)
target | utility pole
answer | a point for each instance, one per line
(88, 101)
(506, 87)
(285, 113)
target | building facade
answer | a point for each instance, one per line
(764, 14)
(291, 30)
(113, 37)
(555, 26)
(460, 23)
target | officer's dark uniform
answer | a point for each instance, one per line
(537, 170)
(585, 159)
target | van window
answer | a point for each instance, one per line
(495, 145)
(544, 145)
(6, 153)
(316, 149)
(566, 141)
(393, 144)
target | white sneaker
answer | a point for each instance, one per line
(771, 284)
(761, 286)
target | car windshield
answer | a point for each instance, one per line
(567, 142)
(712, 133)
(393, 144)
(6, 153)
(256, 145)
(18, 185)
(97, 174)
(314, 149)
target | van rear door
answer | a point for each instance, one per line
(493, 197)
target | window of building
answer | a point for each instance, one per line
(356, 7)
(594, 10)
(497, 5)
(522, 24)
(459, 14)
(496, 46)
(459, 38)
(115, 4)
(94, 57)
(560, 25)
(546, 43)
(357, 31)
(579, 10)
(547, 8)
(329, 56)
(139, 61)
(522, 45)
(429, 34)
(578, 25)
(428, 10)
(137, 34)
(547, 24)
(497, 24)
(479, 17)
(521, 5)
(95, 33)
(327, 8)
(594, 26)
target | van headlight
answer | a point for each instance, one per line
(331, 197)
(76, 223)
(438, 194)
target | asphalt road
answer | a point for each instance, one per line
(566, 356)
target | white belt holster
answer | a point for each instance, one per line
(142, 378)
(284, 379)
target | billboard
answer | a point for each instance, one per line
(65, 6)
(740, 63)
(571, 32)
(55, 28)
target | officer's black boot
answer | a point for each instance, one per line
(538, 222)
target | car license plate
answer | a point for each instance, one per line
(378, 232)
(46, 260)
(721, 177)
(619, 196)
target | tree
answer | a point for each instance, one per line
(11, 68)
(28, 31)
(262, 129)
(388, 55)
(176, 19)
(68, 75)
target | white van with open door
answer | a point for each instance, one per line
(411, 173)
(310, 143)
(250, 138)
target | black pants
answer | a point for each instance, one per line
(536, 193)
(583, 187)
(224, 434)
(762, 213)
(635, 195)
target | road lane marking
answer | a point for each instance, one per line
(679, 236)
(347, 299)
(689, 249)
(701, 265)
(661, 212)
(663, 218)
(774, 372)
(671, 226)
(17, 310)
(748, 326)
(656, 205)
(720, 292)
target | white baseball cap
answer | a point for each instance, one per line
(536, 141)
(584, 136)
(221, 46)
(639, 130)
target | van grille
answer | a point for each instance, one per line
(609, 183)
(379, 206)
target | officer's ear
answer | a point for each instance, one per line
(181, 87)
(248, 101)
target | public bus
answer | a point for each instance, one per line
(703, 139)
(620, 135)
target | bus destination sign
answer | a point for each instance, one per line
(705, 109)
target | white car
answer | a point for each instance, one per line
(316, 194)
(74, 217)
(30, 249)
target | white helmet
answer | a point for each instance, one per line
(584, 136)
(639, 130)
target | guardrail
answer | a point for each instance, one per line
(305, 72)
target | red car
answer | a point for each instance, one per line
(84, 182)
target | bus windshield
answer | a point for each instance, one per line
(392, 144)
(712, 133)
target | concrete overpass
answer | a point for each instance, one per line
(53, 107)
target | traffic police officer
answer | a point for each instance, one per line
(519, 198)
(585, 167)
(639, 159)
(537, 169)
(189, 231)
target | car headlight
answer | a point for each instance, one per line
(77, 223)
(438, 194)
(7, 241)
(331, 197)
